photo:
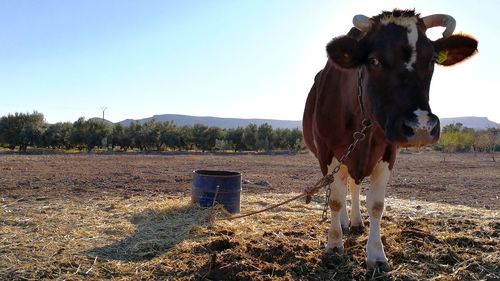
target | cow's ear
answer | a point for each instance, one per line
(454, 49)
(356, 34)
(345, 51)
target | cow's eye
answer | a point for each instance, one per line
(375, 63)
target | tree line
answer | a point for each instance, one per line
(458, 138)
(23, 130)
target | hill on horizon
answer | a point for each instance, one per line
(477, 123)
(228, 123)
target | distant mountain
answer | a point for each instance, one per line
(477, 123)
(182, 120)
(107, 122)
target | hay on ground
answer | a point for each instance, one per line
(165, 237)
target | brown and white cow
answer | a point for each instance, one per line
(396, 60)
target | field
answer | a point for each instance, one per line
(129, 217)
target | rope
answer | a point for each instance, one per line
(303, 194)
(309, 192)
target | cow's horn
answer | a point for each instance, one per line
(362, 23)
(441, 20)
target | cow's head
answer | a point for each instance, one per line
(397, 61)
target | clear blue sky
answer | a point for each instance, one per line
(225, 58)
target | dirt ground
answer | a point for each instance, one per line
(128, 217)
(463, 179)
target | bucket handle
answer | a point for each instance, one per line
(215, 196)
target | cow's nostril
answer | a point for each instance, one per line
(408, 130)
(435, 130)
(432, 123)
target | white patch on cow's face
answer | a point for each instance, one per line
(410, 23)
(422, 119)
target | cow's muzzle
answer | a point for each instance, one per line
(422, 130)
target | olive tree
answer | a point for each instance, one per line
(22, 129)
(58, 135)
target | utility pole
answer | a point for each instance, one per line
(103, 110)
(105, 139)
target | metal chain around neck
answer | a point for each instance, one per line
(358, 136)
(360, 93)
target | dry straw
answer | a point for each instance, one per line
(165, 237)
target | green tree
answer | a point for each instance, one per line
(456, 138)
(58, 135)
(294, 140)
(481, 141)
(118, 137)
(22, 129)
(78, 134)
(10, 127)
(223, 144)
(200, 136)
(455, 127)
(89, 133)
(170, 136)
(487, 141)
(264, 137)
(150, 135)
(250, 137)
(213, 134)
(279, 139)
(133, 134)
(449, 141)
(186, 137)
(234, 137)
(494, 134)
(205, 137)
(96, 132)
(466, 139)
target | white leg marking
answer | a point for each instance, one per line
(344, 218)
(343, 177)
(337, 207)
(375, 206)
(356, 220)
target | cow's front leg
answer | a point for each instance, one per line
(356, 219)
(375, 204)
(344, 218)
(337, 207)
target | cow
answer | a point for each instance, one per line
(388, 61)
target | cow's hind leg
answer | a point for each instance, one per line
(356, 226)
(375, 204)
(339, 213)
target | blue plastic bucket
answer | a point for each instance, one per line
(223, 187)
